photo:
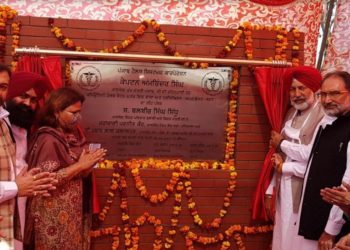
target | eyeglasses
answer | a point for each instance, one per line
(333, 94)
(32, 99)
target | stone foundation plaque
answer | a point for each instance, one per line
(141, 110)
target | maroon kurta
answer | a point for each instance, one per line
(56, 222)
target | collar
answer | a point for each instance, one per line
(3, 113)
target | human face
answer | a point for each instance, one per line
(335, 98)
(28, 98)
(301, 97)
(4, 83)
(70, 116)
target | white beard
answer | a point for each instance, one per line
(301, 106)
(305, 105)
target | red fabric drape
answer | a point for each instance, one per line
(29, 64)
(48, 66)
(52, 69)
(273, 2)
(275, 96)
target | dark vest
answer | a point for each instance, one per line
(326, 170)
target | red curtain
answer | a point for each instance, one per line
(272, 2)
(275, 96)
(48, 66)
(52, 69)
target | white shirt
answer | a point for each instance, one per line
(8, 189)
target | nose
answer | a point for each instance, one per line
(297, 92)
(26, 101)
(327, 99)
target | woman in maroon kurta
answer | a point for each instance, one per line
(58, 222)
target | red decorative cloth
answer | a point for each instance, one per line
(274, 93)
(48, 66)
(21, 82)
(308, 76)
(273, 2)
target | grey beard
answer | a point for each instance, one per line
(302, 106)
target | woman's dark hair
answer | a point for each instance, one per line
(58, 100)
(345, 76)
(3, 68)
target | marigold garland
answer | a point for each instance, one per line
(281, 43)
(114, 231)
(295, 47)
(131, 230)
(6, 14)
(15, 30)
(246, 28)
(232, 43)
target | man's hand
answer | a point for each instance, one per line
(33, 183)
(268, 206)
(343, 243)
(326, 241)
(276, 139)
(339, 196)
(277, 162)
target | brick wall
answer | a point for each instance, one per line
(208, 186)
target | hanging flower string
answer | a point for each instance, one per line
(246, 28)
(15, 30)
(131, 230)
(281, 43)
(6, 14)
(295, 47)
(114, 231)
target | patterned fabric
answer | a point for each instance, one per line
(338, 52)
(7, 154)
(56, 222)
(302, 14)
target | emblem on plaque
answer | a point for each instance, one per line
(89, 78)
(213, 83)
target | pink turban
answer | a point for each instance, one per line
(308, 76)
(21, 82)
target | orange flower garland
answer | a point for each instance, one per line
(114, 231)
(295, 47)
(216, 223)
(69, 44)
(231, 119)
(15, 30)
(131, 231)
(233, 231)
(155, 198)
(67, 74)
(248, 40)
(6, 14)
(158, 230)
(281, 43)
(169, 50)
(246, 28)
(232, 43)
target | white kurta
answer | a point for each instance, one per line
(285, 216)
